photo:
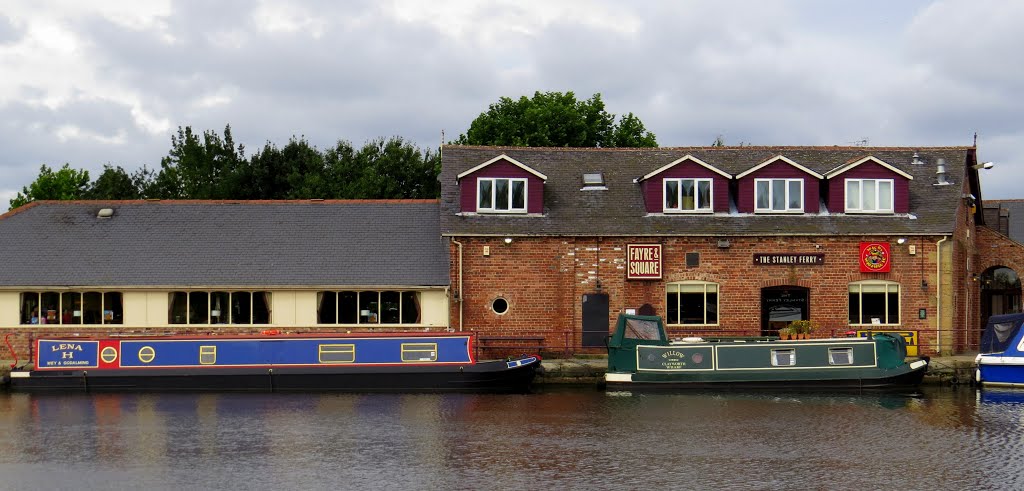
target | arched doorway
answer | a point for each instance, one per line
(781, 305)
(1000, 292)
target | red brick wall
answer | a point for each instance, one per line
(543, 279)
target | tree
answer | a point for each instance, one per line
(114, 183)
(64, 184)
(200, 168)
(395, 169)
(555, 119)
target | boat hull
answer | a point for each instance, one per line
(490, 376)
(995, 371)
(878, 380)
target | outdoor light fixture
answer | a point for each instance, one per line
(508, 240)
(983, 165)
(901, 241)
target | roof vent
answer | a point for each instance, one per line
(940, 173)
(917, 160)
(105, 213)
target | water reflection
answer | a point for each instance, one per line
(573, 439)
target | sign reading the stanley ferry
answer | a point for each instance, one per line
(643, 261)
(875, 257)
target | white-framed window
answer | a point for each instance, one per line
(687, 196)
(874, 302)
(869, 195)
(691, 303)
(784, 357)
(779, 195)
(501, 195)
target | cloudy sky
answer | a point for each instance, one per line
(94, 83)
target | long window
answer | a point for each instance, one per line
(368, 307)
(501, 195)
(72, 308)
(875, 302)
(778, 195)
(218, 307)
(869, 195)
(687, 195)
(692, 302)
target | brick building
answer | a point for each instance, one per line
(553, 243)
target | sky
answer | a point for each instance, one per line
(109, 82)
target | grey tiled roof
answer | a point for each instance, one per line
(568, 211)
(1014, 218)
(220, 243)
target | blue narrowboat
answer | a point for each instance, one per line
(1001, 355)
(397, 362)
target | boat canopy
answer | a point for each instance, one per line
(1000, 333)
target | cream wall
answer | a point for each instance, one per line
(289, 308)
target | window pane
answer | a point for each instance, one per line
(672, 308)
(198, 307)
(779, 194)
(869, 195)
(501, 194)
(369, 307)
(873, 307)
(389, 303)
(219, 311)
(852, 195)
(518, 195)
(49, 308)
(689, 195)
(241, 307)
(885, 195)
(894, 309)
(113, 309)
(484, 194)
(327, 307)
(704, 195)
(261, 307)
(348, 307)
(30, 308)
(671, 194)
(410, 308)
(854, 307)
(711, 308)
(796, 195)
(761, 194)
(177, 308)
(691, 308)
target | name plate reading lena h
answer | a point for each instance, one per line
(788, 259)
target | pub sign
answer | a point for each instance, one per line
(875, 257)
(643, 261)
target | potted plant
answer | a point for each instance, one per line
(800, 329)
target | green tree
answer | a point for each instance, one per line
(200, 168)
(394, 169)
(114, 183)
(64, 184)
(555, 119)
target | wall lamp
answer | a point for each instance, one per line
(901, 241)
(508, 240)
(983, 165)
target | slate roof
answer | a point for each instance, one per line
(619, 211)
(223, 243)
(1014, 218)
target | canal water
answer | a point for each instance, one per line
(940, 438)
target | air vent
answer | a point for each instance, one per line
(105, 213)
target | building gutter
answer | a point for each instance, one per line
(938, 294)
(460, 282)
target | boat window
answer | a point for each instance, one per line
(691, 303)
(641, 329)
(419, 352)
(337, 353)
(999, 335)
(874, 302)
(783, 357)
(840, 356)
(207, 355)
(71, 307)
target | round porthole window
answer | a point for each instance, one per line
(499, 305)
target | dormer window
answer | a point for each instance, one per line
(778, 195)
(687, 195)
(501, 195)
(869, 195)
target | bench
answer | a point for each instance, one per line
(510, 343)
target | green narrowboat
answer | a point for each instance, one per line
(641, 356)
